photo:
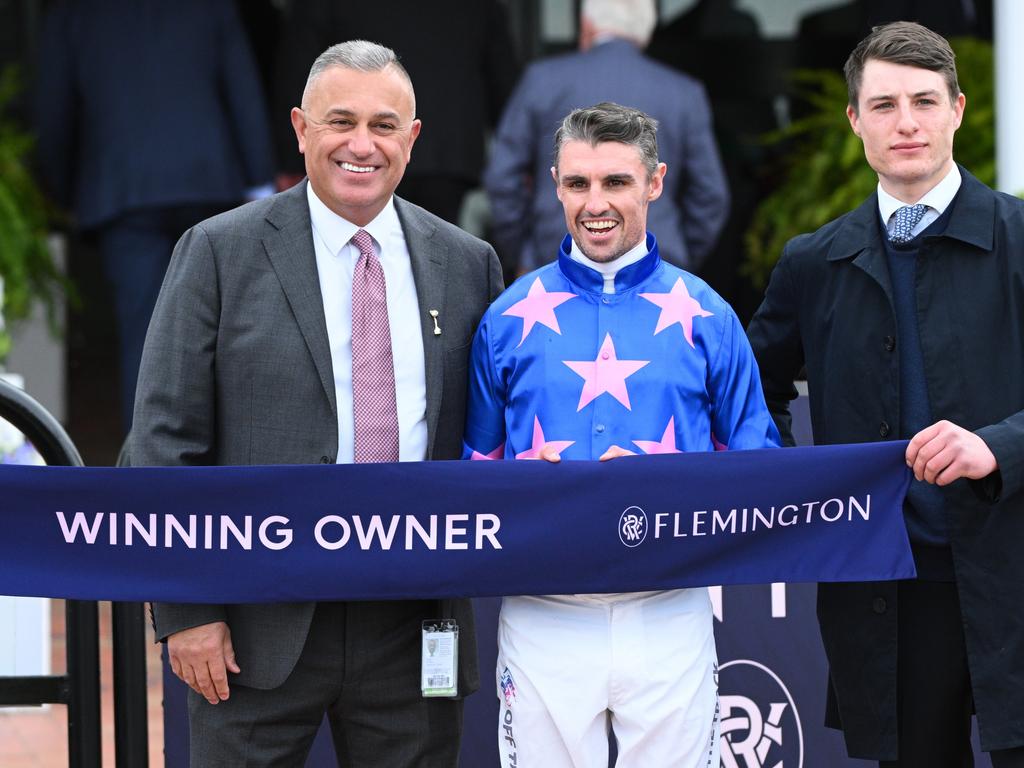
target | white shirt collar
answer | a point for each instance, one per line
(609, 269)
(336, 231)
(600, 38)
(938, 197)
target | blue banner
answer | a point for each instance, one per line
(443, 529)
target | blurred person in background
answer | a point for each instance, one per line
(610, 66)
(150, 117)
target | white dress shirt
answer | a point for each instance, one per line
(937, 199)
(336, 258)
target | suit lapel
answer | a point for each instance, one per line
(289, 246)
(429, 259)
(861, 238)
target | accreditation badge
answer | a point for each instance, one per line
(440, 662)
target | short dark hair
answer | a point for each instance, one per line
(611, 122)
(902, 42)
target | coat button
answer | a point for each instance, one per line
(878, 605)
(326, 460)
(883, 429)
(890, 343)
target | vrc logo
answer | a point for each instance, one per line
(633, 526)
(760, 726)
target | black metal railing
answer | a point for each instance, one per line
(79, 689)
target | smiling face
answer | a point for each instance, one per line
(906, 121)
(356, 131)
(605, 190)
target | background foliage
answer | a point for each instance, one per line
(27, 269)
(823, 168)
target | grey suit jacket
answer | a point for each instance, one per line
(237, 370)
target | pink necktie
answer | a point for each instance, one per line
(373, 371)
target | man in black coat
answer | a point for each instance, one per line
(908, 314)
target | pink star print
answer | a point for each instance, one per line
(677, 306)
(497, 453)
(538, 307)
(667, 444)
(533, 452)
(605, 374)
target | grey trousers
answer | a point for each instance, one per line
(372, 700)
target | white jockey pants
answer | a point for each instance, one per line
(570, 667)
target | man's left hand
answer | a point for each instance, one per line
(944, 452)
(615, 452)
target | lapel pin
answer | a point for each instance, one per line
(433, 315)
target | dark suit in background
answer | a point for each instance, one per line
(703, 42)
(462, 63)
(526, 215)
(150, 117)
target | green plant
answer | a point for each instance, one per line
(823, 170)
(26, 266)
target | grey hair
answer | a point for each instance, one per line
(360, 55)
(633, 19)
(611, 122)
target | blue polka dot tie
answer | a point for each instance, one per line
(904, 221)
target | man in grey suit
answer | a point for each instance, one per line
(610, 66)
(256, 355)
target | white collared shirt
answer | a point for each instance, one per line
(609, 269)
(937, 199)
(336, 258)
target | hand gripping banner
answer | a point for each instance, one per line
(445, 529)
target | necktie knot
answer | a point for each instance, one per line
(904, 221)
(362, 240)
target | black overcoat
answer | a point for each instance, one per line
(829, 307)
